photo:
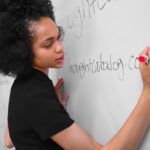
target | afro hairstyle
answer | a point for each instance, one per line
(16, 55)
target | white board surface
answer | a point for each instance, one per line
(103, 39)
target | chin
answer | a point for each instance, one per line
(59, 66)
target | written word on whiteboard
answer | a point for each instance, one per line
(87, 9)
(96, 65)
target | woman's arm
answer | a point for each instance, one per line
(127, 138)
(8, 142)
(130, 135)
(138, 122)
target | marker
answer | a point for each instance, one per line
(144, 58)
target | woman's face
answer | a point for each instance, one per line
(46, 45)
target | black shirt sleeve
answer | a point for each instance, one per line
(48, 117)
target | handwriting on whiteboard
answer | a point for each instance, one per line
(92, 65)
(87, 9)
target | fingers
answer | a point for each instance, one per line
(145, 54)
(59, 83)
(146, 51)
(65, 99)
(66, 96)
(145, 68)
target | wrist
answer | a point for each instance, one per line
(146, 91)
(144, 99)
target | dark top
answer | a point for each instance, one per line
(34, 113)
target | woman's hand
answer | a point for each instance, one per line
(62, 97)
(145, 69)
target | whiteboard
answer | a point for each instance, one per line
(5, 85)
(103, 39)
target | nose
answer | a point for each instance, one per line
(58, 46)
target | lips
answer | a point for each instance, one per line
(60, 59)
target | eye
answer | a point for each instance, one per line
(48, 45)
(61, 34)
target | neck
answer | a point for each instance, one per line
(44, 70)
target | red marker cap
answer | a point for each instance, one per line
(144, 58)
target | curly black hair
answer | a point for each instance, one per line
(16, 55)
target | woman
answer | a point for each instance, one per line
(30, 44)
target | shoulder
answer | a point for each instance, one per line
(36, 88)
(37, 81)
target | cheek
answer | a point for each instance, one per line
(43, 57)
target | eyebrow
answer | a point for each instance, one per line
(52, 38)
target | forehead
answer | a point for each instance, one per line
(45, 28)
